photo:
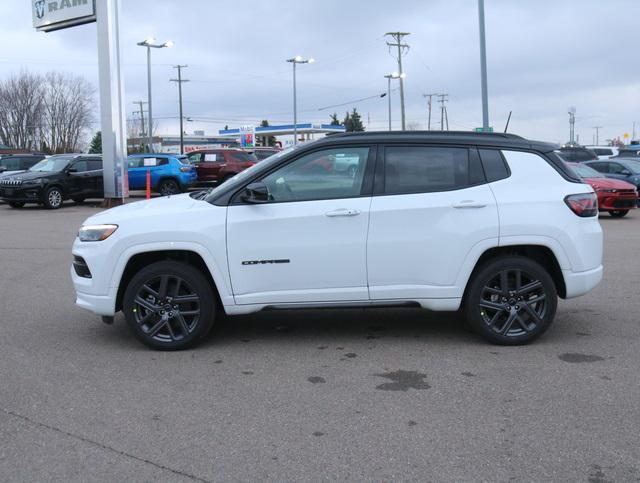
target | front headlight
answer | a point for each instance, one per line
(32, 182)
(91, 233)
(607, 191)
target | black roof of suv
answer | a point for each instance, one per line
(461, 138)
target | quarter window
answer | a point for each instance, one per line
(494, 165)
(423, 169)
(327, 174)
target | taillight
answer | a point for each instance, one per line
(583, 205)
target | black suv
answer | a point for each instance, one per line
(18, 162)
(575, 154)
(53, 180)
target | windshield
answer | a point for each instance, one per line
(51, 165)
(633, 166)
(239, 178)
(9, 164)
(586, 172)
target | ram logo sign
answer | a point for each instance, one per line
(49, 15)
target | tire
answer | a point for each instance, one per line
(16, 204)
(53, 198)
(618, 213)
(152, 315)
(78, 199)
(168, 187)
(511, 315)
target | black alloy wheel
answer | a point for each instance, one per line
(618, 213)
(169, 305)
(511, 301)
(169, 187)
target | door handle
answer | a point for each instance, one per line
(342, 212)
(469, 204)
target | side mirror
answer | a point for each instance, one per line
(72, 170)
(256, 193)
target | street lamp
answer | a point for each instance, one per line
(149, 44)
(393, 75)
(297, 60)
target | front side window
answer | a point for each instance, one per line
(615, 168)
(327, 174)
(95, 165)
(80, 166)
(601, 167)
(195, 157)
(425, 169)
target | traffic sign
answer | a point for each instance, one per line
(481, 129)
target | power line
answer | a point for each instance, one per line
(402, 50)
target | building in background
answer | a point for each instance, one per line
(306, 132)
(170, 143)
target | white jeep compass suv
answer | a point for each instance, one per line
(493, 223)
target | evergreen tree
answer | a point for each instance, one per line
(96, 144)
(334, 120)
(267, 140)
(353, 121)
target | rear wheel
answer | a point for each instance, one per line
(618, 213)
(169, 187)
(16, 204)
(169, 305)
(511, 301)
(53, 198)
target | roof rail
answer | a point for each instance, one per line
(431, 133)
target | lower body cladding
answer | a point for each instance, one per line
(576, 283)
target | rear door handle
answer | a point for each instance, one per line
(469, 204)
(342, 212)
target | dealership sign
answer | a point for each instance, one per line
(49, 15)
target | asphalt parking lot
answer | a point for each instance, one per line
(306, 396)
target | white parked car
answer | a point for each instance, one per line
(493, 223)
(604, 152)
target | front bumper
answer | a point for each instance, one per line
(27, 194)
(612, 201)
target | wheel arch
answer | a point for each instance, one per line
(538, 253)
(139, 260)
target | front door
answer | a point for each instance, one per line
(429, 210)
(307, 244)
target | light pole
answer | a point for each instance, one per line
(149, 44)
(393, 75)
(297, 60)
(483, 68)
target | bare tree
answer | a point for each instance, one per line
(68, 108)
(21, 110)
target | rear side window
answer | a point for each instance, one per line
(425, 169)
(494, 165)
(583, 155)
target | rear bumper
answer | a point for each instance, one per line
(579, 283)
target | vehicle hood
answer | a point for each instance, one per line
(4, 174)
(29, 175)
(609, 183)
(165, 206)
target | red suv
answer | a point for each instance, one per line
(614, 195)
(220, 164)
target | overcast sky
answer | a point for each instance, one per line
(543, 56)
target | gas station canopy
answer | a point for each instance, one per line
(302, 129)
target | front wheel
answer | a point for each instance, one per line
(169, 305)
(53, 198)
(169, 187)
(618, 213)
(16, 204)
(511, 301)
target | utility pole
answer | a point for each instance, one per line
(633, 131)
(141, 111)
(483, 68)
(179, 81)
(402, 49)
(597, 128)
(442, 99)
(429, 104)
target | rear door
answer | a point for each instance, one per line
(96, 187)
(430, 210)
(79, 181)
(209, 166)
(136, 173)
